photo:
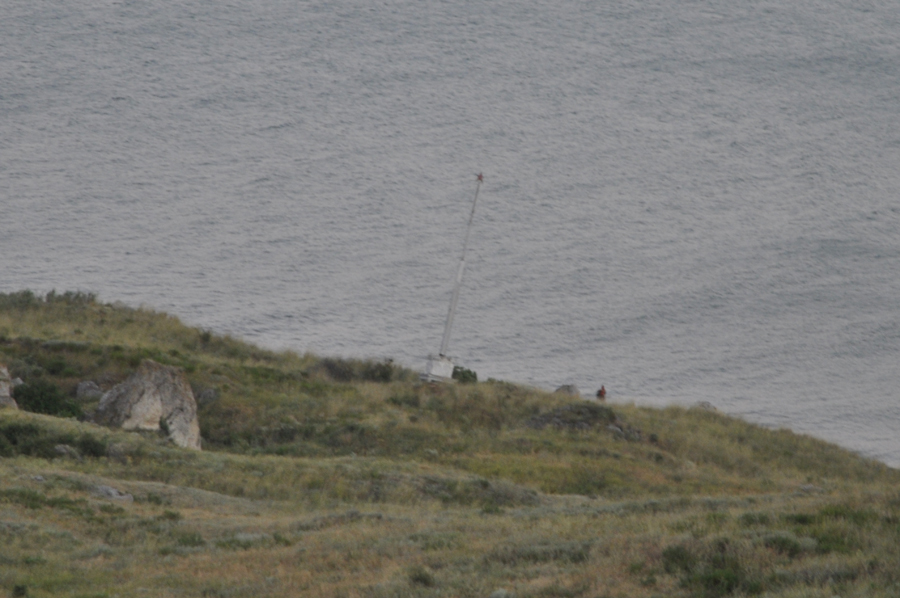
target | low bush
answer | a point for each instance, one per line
(35, 500)
(29, 440)
(349, 370)
(678, 559)
(190, 539)
(419, 575)
(567, 552)
(43, 396)
(751, 519)
(464, 375)
(784, 544)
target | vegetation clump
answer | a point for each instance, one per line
(43, 396)
(464, 375)
(34, 440)
(577, 416)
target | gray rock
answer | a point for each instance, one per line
(502, 593)
(704, 405)
(88, 389)
(6, 399)
(112, 494)
(155, 395)
(568, 389)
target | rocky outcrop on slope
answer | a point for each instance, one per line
(155, 397)
(6, 399)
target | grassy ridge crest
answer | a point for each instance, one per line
(337, 477)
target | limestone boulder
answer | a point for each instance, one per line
(154, 397)
(6, 399)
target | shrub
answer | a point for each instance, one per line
(339, 370)
(716, 582)
(348, 370)
(546, 552)
(576, 416)
(407, 399)
(35, 500)
(27, 299)
(55, 365)
(419, 575)
(378, 371)
(71, 298)
(800, 518)
(6, 449)
(784, 544)
(833, 539)
(20, 300)
(678, 558)
(190, 539)
(42, 396)
(751, 519)
(28, 439)
(90, 446)
(857, 517)
(464, 375)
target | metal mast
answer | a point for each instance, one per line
(459, 272)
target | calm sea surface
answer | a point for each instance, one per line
(684, 201)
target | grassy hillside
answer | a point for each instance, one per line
(332, 477)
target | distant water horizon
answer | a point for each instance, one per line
(682, 202)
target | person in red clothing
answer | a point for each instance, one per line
(601, 394)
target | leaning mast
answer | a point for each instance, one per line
(440, 368)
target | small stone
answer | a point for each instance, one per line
(502, 593)
(112, 494)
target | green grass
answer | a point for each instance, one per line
(333, 477)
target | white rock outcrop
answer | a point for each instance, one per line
(154, 397)
(6, 399)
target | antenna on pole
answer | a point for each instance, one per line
(440, 368)
(459, 272)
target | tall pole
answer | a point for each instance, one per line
(459, 272)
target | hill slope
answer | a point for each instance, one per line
(331, 477)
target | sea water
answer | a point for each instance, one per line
(683, 201)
